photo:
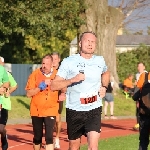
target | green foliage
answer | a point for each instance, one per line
(148, 30)
(42, 26)
(130, 142)
(127, 62)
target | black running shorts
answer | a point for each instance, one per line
(81, 122)
(4, 116)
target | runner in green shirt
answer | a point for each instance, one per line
(6, 103)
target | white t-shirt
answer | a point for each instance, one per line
(93, 68)
(137, 76)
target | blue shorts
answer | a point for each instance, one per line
(109, 97)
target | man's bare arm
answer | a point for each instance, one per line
(5, 85)
(12, 89)
(105, 78)
(64, 90)
(32, 92)
(59, 83)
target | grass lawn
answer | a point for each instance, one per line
(21, 105)
(123, 106)
(130, 142)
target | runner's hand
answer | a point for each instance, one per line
(79, 77)
(102, 92)
(42, 86)
(62, 97)
(48, 81)
(7, 93)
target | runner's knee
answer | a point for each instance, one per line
(49, 140)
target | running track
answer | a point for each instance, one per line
(20, 136)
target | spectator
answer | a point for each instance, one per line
(109, 99)
(128, 84)
(141, 69)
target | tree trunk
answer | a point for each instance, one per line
(104, 21)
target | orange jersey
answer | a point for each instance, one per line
(142, 80)
(128, 83)
(45, 103)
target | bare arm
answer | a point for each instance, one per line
(64, 90)
(32, 92)
(60, 83)
(105, 78)
(12, 89)
(5, 85)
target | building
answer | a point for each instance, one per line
(123, 43)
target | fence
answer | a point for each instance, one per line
(21, 73)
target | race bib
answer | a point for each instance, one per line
(86, 98)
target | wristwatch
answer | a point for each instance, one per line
(105, 87)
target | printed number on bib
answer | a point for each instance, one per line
(87, 98)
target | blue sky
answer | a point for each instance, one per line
(139, 18)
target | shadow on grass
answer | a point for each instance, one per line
(23, 103)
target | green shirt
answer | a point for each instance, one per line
(3, 75)
(6, 102)
(3, 78)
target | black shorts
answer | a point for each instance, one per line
(60, 107)
(81, 122)
(37, 123)
(4, 116)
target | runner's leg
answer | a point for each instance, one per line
(37, 123)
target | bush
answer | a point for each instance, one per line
(127, 62)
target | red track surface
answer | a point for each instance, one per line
(20, 136)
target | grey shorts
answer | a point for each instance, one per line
(109, 97)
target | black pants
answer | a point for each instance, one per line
(137, 113)
(4, 116)
(144, 131)
(37, 123)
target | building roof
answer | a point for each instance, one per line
(133, 39)
(74, 41)
(126, 40)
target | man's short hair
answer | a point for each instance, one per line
(82, 34)
(141, 63)
(56, 53)
(2, 59)
(130, 75)
(48, 56)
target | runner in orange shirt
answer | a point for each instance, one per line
(44, 103)
(128, 84)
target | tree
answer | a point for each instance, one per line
(138, 32)
(148, 30)
(105, 20)
(42, 25)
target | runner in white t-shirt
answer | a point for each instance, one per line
(86, 77)
(141, 69)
